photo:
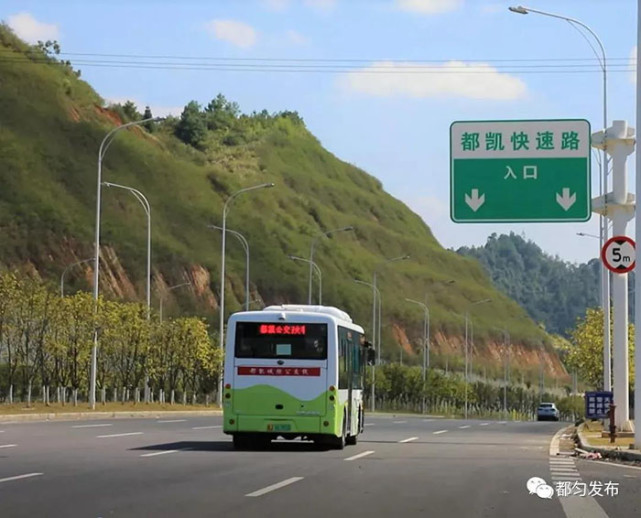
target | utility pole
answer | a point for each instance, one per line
(618, 206)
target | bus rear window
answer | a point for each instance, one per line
(269, 340)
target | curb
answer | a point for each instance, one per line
(81, 416)
(627, 455)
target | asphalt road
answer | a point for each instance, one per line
(401, 467)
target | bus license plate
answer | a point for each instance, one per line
(282, 428)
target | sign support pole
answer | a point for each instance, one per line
(619, 143)
(637, 277)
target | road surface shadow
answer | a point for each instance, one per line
(280, 446)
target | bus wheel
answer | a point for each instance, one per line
(342, 440)
(241, 442)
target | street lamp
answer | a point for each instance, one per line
(467, 317)
(171, 288)
(311, 255)
(603, 184)
(145, 205)
(245, 246)
(585, 234)
(426, 344)
(104, 146)
(221, 323)
(380, 300)
(62, 277)
(317, 269)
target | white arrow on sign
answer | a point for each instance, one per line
(475, 201)
(566, 201)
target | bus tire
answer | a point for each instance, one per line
(340, 442)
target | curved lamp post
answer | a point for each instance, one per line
(245, 245)
(62, 277)
(317, 269)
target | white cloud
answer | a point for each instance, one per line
(321, 5)
(276, 5)
(296, 38)
(237, 33)
(633, 64)
(31, 30)
(428, 6)
(451, 79)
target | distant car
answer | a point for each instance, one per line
(547, 411)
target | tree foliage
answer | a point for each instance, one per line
(46, 340)
(585, 352)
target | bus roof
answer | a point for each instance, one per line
(303, 308)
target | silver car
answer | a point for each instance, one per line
(547, 412)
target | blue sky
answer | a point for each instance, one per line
(393, 125)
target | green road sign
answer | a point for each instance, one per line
(520, 171)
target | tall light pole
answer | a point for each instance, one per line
(145, 205)
(603, 184)
(318, 273)
(245, 246)
(374, 299)
(62, 277)
(221, 323)
(311, 255)
(104, 146)
(467, 318)
(171, 288)
(426, 344)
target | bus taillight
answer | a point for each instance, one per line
(228, 386)
(332, 388)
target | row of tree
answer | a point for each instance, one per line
(46, 341)
(401, 387)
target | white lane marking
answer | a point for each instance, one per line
(428, 420)
(409, 439)
(159, 453)
(464, 426)
(13, 422)
(502, 422)
(8, 445)
(359, 455)
(91, 425)
(207, 427)
(118, 435)
(19, 477)
(484, 424)
(399, 422)
(274, 487)
(369, 424)
(440, 431)
(615, 464)
(172, 421)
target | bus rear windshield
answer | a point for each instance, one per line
(293, 341)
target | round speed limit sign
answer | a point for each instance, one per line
(618, 254)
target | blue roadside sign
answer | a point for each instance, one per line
(597, 404)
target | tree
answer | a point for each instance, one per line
(131, 111)
(192, 128)
(585, 352)
(149, 126)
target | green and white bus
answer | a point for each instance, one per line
(294, 371)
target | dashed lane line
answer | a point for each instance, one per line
(409, 439)
(172, 421)
(8, 445)
(440, 431)
(464, 426)
(369, 424)
(207, 427)
(155, 454)
(399, 422)
(118, 435)
(360, 455)
(274, 487)
(428, 420)
(19, 477)
(91, 425)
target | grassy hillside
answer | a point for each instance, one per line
(51, 125)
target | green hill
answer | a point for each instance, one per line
(51, 125)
